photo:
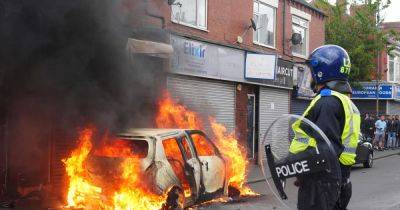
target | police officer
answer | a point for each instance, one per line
(335, 114)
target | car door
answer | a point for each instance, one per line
(212, 165)
(192, 165)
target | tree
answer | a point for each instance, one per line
(358, 32)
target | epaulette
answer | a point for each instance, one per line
(326, 92)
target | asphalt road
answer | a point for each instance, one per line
(377, 188)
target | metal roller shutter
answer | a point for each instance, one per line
(394, 108)
(299, 106)
(273, 103)
(207, 97)
(369, 106)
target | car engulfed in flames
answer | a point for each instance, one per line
(170, 167)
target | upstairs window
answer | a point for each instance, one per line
(190, 13)
(265, 17)
(300, 26)
(393, 68)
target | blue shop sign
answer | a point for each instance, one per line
(368, 91)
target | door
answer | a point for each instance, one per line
(192, 167)
(179, 160)
(212, 165)
(251, 115)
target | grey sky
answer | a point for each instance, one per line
(391, 14)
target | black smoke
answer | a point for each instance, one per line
(64, 65)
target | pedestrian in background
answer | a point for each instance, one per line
(385, 140)
(392, 132)
(368, 127)
(380, 128)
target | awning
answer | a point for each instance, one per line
(149, 48)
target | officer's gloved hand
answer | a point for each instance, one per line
(297, 183)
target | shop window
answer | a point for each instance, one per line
(265, 17)
(190, 13)
(300, 26)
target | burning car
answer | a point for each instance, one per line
(182, 164)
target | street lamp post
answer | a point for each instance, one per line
(378, 69)
(377, 85)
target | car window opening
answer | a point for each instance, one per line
(124, 148)
(203, 146)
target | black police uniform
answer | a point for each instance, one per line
(323, 190)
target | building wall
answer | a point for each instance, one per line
(228, 19)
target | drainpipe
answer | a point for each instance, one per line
(284, 27)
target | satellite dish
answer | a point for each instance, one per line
(296, 38)
(253, 24)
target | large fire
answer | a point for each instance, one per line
(172, 115)
(130, 191)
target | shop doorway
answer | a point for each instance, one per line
(251, 119)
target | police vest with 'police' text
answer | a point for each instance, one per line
(349, 136)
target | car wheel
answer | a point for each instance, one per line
(175, 199)
(369, 162)
(233, 192)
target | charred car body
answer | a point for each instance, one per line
(184, 164)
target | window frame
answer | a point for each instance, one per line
(307, 32)
(198, 132)
(275, 9)
(197, 26)
(396, 66)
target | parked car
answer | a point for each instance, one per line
(365, 152)
(175, 161)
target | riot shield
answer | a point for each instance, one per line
(283, 166)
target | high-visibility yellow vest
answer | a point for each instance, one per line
(349, 136)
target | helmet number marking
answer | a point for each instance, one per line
(345, 69)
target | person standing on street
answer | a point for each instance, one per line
(391, 129)
(337, 116)
(380, 128)
(368, 127)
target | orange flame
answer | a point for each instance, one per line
(130, 190)
(172, 115)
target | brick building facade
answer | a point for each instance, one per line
(226, 26)
(203, 59)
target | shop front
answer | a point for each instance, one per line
(366, 98)
(243, 90)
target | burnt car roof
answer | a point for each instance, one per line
(146, 132)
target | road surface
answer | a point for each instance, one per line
(377, 188)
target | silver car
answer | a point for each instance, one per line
(182, 163)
